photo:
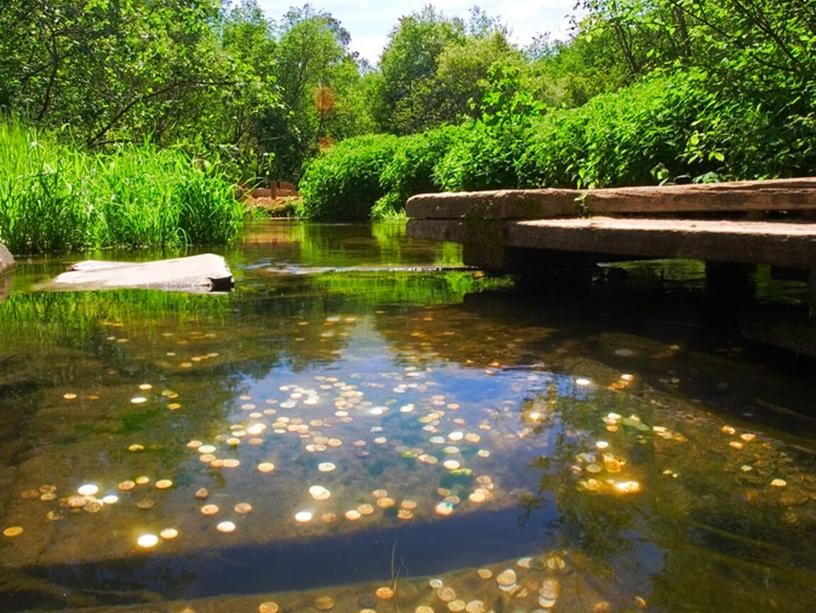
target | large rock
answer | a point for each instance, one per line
(6, 261)
(199, 273)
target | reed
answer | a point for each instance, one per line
(54, 197)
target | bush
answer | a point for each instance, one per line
(411, 169)
(344, 182)
(54, 197)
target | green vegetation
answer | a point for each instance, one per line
(643, 91)
(646, 91)
(54, 197)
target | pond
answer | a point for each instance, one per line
(364, 425)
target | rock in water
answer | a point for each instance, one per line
(6, 261)
(198, 273)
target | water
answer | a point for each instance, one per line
(627, 444)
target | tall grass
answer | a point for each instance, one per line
(54, 197)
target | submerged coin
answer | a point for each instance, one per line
(353, 515)
(446, 593)
(225, 526)
(209, 509)
(384, 593)
(506, 578)
(138, 400)
(145, 504)
(303, 517)
(484, 573)
(318, 492)
(266, 467)
(778, 483)
(268, 607)
(243, 508)
(89, 489)
(365, 509)
(142, 480)
(76, 502)
(168, 534)
(163, 484)
(13, 531)
(326, 467)
(324, 603)
(146, 541)
(385, 502)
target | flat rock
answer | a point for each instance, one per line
(198, 273)
(6, 261)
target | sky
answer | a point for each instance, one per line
(370, 21)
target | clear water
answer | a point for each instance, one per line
(617, 450)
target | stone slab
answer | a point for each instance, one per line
(783, 244)
(199, 273)
(729, 197)
(6, 259)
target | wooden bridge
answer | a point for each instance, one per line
(725, 224)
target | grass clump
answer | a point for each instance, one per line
(54, 197)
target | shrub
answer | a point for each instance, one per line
(344, 182)
(411, 169)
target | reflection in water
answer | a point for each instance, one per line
(314, 431)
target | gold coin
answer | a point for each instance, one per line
(456, 605)
(446, 593)
(266, 467)
(379, 493)
(143, 480)
(225, 526)
(135, 447)
(145, 504)
(318, 492)
(326, 467)
(48, 496)
(408, 504)
(207, 458)
(168, 534)
(89, 489)
(209, 509)
(243, 507)
(163, 484)
(385, 502)
(138, 400)
(13, 531)
(76, 502)
(423, 608)
(328, 518)
(268, 607)
(353, 515)
(365, 509)
(126, 486)
(303, 517)
(231, 463)
(324, 603)
(779, 483)
(174, 406)
(484, 573)
(475, 606)
(69, 396)
(506, 578)
(202, 493)
(147, 541)
(53, 516)
(404, 514)
(384, 593)
(94, 506)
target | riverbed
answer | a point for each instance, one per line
(364, 424)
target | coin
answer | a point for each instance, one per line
(209, 509)
(266, 467)
(268, 607)
(225, 526)
(353, 514)
(89, 489)
(163, 484)
(384, 593)
(326, 467)
(318, 492)
(324, 603)
(146, 541)
(13, 531)
(303, 517)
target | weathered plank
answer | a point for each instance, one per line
(782, 244)
(199, 273)
(6, 259)
(738, 196)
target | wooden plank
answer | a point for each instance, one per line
(6, 259)
(200, 273)
(782, 244)
(738, 196)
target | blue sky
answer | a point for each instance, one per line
(370, 21)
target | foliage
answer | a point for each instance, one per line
(344, 182)
(54, 197)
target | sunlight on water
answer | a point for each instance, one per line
(349, 440)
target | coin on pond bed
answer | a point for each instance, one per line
(243, 508)
(268, 607)
(266, 467)
(318, 492)
(209, 509)
(126, 486)
(484, 573)
(69, 396)
(405, 514)
(385, 503)
(326, 467)
(225, 526)
(423, 608)
(446, 593)
(168, 534)
(142, 480)
(138, 400)
(163, 484)
(365, 509)
(324, 603)
(89, 489)
(146, 541)
(76, 502)
(436, 583)
(408, 504)
(13, 531)
(384, 593)
(231, 463)
(93, 506)
(303, 517)
(145, 504)
(779, 483)
(135, 447)
(353, 515)
(456, 605)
